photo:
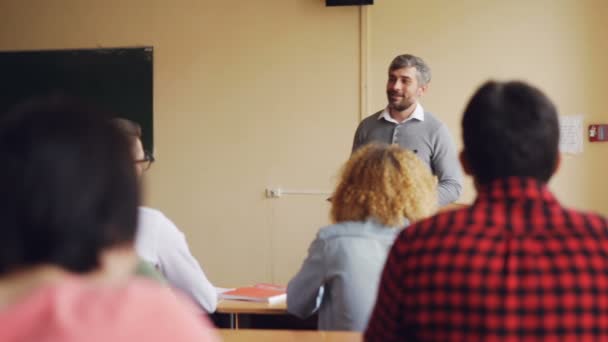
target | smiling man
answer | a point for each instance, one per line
(406, 123)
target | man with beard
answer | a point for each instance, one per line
(406, 123)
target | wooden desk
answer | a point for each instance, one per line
(238, 307)
(243, 335)
(244, 307)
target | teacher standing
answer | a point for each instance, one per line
(406, 123)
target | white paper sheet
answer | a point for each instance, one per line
(571, 134)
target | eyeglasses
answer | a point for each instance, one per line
(147, 161)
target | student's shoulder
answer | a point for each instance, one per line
(437, 226)
(147, 212)
(154, 217)
(587, 220)
(337, 229)
(154, 221)
(152, 304)
(355, 228)
(134, 310)
(85, 295)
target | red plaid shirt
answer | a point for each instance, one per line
(515, 266)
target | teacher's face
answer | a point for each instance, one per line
(402, 88)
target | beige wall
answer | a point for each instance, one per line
(250, 94)
(556, 44)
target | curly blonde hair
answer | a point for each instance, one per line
(384, 182)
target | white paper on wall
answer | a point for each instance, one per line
(571, 134)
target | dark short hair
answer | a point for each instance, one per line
(423, 72)
(69, 188)
(510, 129)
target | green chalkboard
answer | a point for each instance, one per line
(117, 80)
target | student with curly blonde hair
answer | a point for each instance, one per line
(381, 188)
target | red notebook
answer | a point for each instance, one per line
(264, 293)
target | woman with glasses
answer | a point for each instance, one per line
(68, 208)
(159, 242)
(145, 162)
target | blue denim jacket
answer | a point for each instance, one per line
(341, 273)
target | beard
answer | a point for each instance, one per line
(398, 105)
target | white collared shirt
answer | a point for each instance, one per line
(418, 114)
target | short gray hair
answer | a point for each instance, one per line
(408, 61)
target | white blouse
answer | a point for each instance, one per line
(161, 243)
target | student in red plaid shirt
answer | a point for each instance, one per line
(516, 265)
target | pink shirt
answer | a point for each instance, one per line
(76, 310)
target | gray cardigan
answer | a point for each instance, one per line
(340, 276)
(429, 139)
